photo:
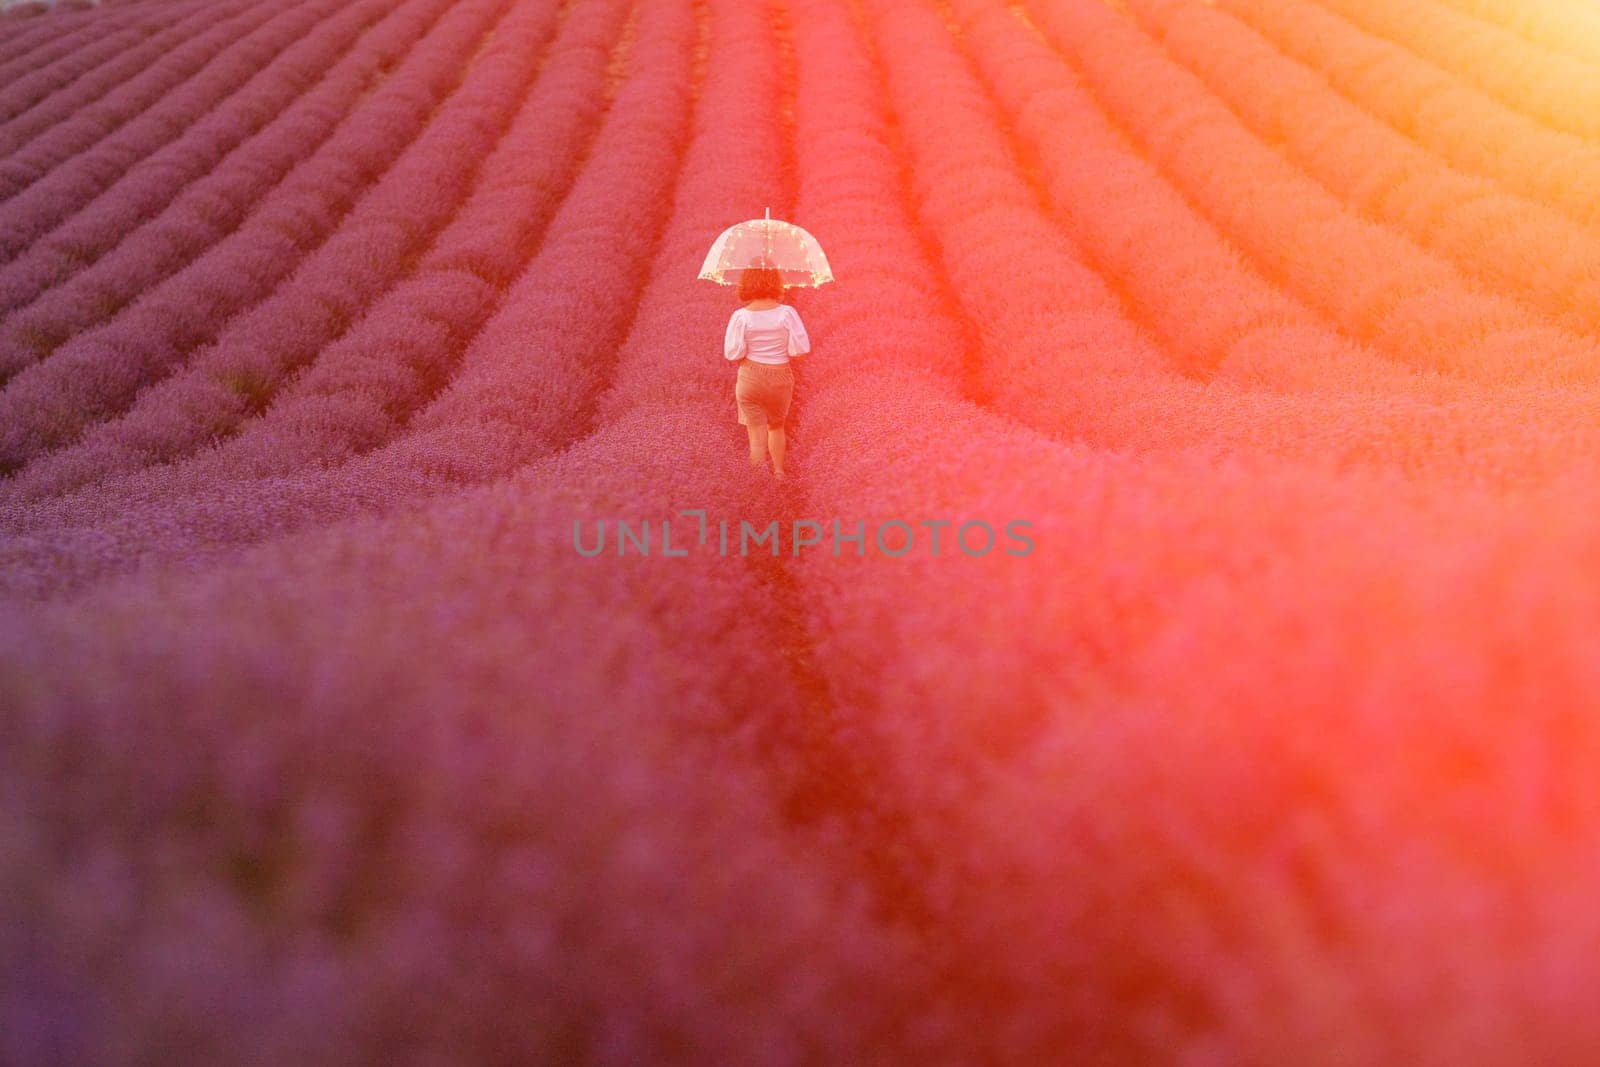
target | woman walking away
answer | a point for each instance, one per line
(763, 335)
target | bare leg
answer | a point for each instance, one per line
(758, 445)
(776, 443)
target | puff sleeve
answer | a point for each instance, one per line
(733, 345)
(799, 341)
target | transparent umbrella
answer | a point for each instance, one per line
(770, 243)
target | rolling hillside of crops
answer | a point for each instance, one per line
(333, 334)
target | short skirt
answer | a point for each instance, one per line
(762, 393)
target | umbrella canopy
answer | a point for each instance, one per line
(770, 243)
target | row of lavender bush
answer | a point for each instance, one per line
(1376, 284)
(100, 116)
(99, 260)
(536, 362)
(32, 66)
(379, 243)
(1508, 243)
(99, 371)
(1557, 89)
(1441, 111)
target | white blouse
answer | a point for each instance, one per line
(768, 335)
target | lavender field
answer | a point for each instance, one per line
(333, 332)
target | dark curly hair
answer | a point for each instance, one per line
(760, 283)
